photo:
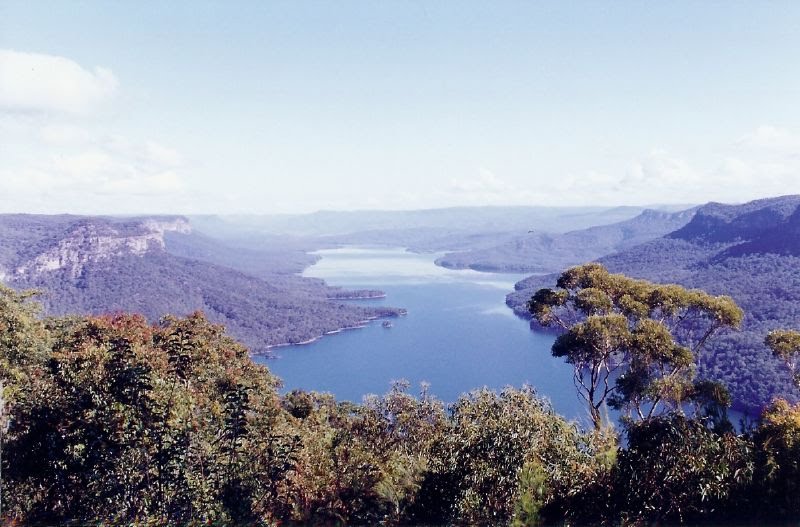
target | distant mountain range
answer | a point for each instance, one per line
(157, 265)
(471, 219)
(432, 230)
(243, 272)
(750, 252)
(539, 251)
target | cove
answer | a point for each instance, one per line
(458, 335)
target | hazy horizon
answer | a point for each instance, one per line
(676, 207)
(297, 107)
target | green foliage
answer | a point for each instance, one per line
(119, 421)
(633, 344)
(785, 344)
(120, 429)
(532, 494)
(23, 343)
(747, 251)
(359, 463)
(675, 469)
(494, 441)
(777, 443)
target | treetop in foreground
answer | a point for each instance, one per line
(633, 344)
(115, 421)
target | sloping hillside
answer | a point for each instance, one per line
(95, 265)
(539, 251)
(750, 252)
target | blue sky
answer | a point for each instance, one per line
(240, 107)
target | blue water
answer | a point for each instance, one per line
(458, 335)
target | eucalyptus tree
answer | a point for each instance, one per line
(785, 344)
(633, 344)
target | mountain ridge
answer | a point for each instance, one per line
(146, 265)
(736, 250)
(548, 252)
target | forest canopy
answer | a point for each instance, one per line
(113, 419)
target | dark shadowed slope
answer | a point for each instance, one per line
(95, 265)
(750, 252)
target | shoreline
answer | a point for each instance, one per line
(354, 295)
(361, 324)
(365, 297)
(364, 294)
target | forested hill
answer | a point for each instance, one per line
(157, 266)
(750, 252)
(538, 251)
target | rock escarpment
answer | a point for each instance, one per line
(95, 240)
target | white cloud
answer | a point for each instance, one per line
(486, 181)
(765, 162)
(58, 155)
(41, 83)
(484, 189)
(660, 169)
(77, 169)
(774, 139)
(162, 155)
(64, 134)
(93, 173)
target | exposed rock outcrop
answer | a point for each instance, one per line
(94, 240)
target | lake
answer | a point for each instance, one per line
(458, 334)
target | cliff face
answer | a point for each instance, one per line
(95, 240)
(156, 265)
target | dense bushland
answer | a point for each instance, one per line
(116, 420)
(750, 252)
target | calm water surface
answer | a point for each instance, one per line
(458, 334)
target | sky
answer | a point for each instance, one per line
(272, 107)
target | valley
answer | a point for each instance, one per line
(458, 335)
(158, 266)
(261, 278)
